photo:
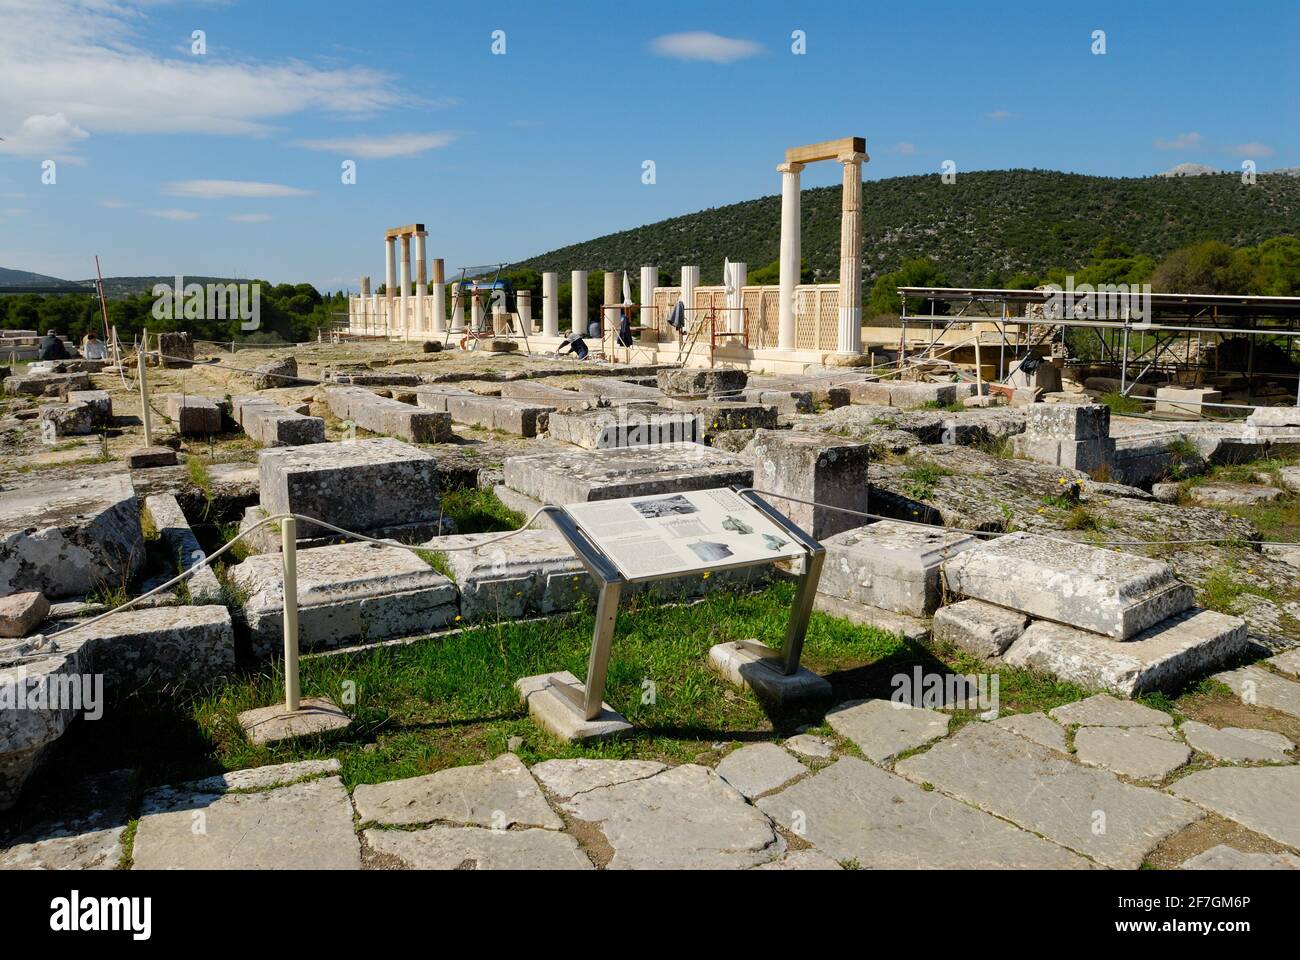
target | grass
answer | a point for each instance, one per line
(479, 511)
(920, 481)
(948, 407)
(1222, 591)
(1121, 404)
(1079, 518)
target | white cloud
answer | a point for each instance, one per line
(905, 148)
(42, 135)
(81, 61)
(1184, 141)
(249, 217)
(1253, 149)
(223, 189)
(999, 115)
(391, 145)
(701, 45)
(173, 214)
(114, 204)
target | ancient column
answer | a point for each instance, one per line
(579, 319)
(736, 299)
(550, 304)
(363, 301)
(457, 309)
(850, 338)
(690, 280)
(372, 321)
(439, 296)
(476, 312)
(524, 305)
(613, 297)
(790, 253)
(390, 268)
(649, 282)
(421, 282)
(405, 280)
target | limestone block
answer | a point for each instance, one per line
(435, 396)
(322, 480)
(1185, 399)
(1104, 591)
(389, 417)
(788, 402)
(100, 402)
(535, 393)
(176, 349)
(276, 373)
(699, 382)
(67, 419)
(890, 564)
(158, 645)
(582, 475)
(193, 415)
(519, 417)
(68, 537)
(1164, 657)
(898, 393)
(729, 414)
(26, 733)
(169, 520)
(347, 594)
(824, 469)
(1068, 421)
(632, 425)
(20, 612)
(608, 388)
(46, 384)
(978, 627)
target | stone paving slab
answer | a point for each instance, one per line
(1085, 809)
(1224, 857)
(477, 848)
(1288, 661)
(67, 848)
(1256, 686)
(304, 826)
(978, 627)
(802, 860)
(808, 745)
(1143, 753)
(262, 778)
(855, 811)
(499, 793)
(684, 818)
(1103, 710)
(1263, 799)
(1237, 744)
(883, 728)
(1037, 727)
(568, 778)
(759, 768)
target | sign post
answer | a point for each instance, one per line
(647, 538)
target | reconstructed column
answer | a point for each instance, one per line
(649, 281)
(524, 304)
(850, 338)
(736, 299)
(421, 282)
(457, 309)
(476, 312)
(690, 280)
(405, 280)
(363, 301)
(390, 268)
(550, 304)
(790, 253)
(439, 296)
(372, 321)
(613, 296)
(579, 318)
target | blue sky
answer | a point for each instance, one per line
(228, 163)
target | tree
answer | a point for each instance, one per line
(1210, 266)
(921, 272)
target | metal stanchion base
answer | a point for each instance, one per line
(748, 663)
(314, 715)
(556, 704)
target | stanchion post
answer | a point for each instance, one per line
(289, 544)
(144, 390)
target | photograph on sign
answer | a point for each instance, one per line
(682, 532)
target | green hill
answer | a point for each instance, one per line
(986, 227)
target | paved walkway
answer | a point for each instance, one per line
(1004, 793)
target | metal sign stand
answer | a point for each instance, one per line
(587, 699)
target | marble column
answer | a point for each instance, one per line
(421, 283)
(476, 312)
(690, 280)
(649, 282)
(390, 268)
(736, 299)
(363, 301)
(439, 296)
(791, 224)
(405, 280)
(613, 296)
(372, 320)
(457, 309)
(579, 318)
(850, 333)
(524, 306)
(550, 304)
